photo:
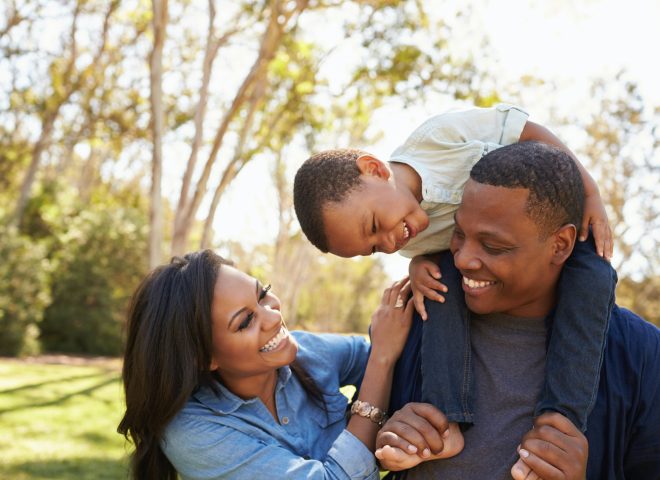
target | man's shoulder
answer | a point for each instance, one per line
(631, 336)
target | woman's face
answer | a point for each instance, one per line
(249, 335)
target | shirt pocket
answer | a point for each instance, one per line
(337, 410)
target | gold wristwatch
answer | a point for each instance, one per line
(367, 410)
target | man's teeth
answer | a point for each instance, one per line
(475, 283)
(275, 341)
(406, 231)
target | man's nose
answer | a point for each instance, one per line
(466, 259)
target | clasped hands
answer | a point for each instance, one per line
(553, 450)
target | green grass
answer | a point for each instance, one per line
(60, 421)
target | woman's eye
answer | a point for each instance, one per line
(246, 322)
(264, 292)
(373, 225)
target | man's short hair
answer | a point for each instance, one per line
(326, 177)
(556, 191)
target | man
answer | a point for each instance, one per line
(515, 229)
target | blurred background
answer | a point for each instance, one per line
(135, 130)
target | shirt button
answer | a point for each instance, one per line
(285, 420)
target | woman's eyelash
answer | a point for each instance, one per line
(250, 316)
(264, 291)
(246, 323)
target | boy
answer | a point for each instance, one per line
(350, 203)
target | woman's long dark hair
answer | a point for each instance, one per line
(168, 353)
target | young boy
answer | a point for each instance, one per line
(350, 203)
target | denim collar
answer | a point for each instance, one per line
(226, 402)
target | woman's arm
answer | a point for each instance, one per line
(389, 330)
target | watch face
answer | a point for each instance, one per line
(377, 416)
(364, 409)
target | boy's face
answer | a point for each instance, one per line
(376, 217)
(506, 268)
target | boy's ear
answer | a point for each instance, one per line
(371, 166)
(563, 242)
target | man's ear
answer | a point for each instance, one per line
(563, 243)
(371, 166)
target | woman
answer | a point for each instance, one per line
(217, 387)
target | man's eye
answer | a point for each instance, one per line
(246, 322)
(495, 250)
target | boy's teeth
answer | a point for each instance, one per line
(275, 341)
(475, 283)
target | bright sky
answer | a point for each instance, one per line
(563, 41)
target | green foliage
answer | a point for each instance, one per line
(102, 259)
(341, 295)
(24, 291)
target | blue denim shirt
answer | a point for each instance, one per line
(623, 429)
(224, 436)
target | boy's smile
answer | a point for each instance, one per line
(376, 217)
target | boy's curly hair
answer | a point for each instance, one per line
(556, 191)
(328, 176)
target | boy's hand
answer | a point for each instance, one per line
(424, 280)
(554, 449)
(595, 215)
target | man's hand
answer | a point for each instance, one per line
(553, 450)
(595, 215)
(416, 433)
(424, 280)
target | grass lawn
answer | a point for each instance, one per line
(59, 421)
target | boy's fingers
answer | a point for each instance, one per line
(433, 284)
(418, 300)
(393, 440)
(584, 230)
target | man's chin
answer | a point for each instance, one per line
(480, 308)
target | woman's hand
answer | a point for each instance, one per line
(391, 322)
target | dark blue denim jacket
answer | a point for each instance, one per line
(623, 429)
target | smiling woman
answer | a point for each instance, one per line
(217, 387)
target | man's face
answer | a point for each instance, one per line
(506, 268)
(376, 217)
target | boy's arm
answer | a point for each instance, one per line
(594, 210)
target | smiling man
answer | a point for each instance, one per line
(515, 228)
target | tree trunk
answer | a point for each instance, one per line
(157, 127)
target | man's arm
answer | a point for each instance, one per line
(594, 210)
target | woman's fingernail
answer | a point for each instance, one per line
(426, 453)
(524, 453)
(412, 448)
(445, 434)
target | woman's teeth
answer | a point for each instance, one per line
(274, 342)
(406, 231)
(475, 283)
